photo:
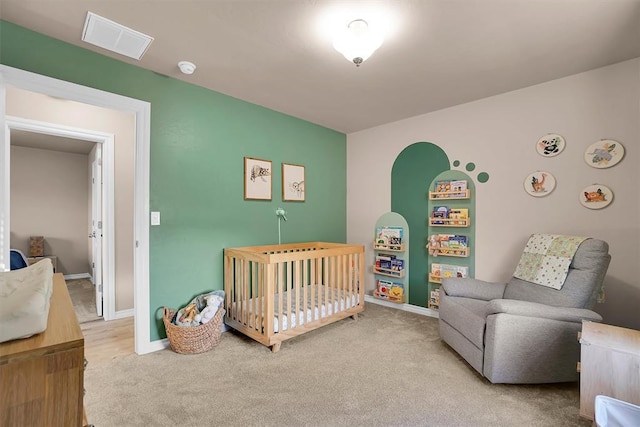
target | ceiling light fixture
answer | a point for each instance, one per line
(357, 41)
(187, 67)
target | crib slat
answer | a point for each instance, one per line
(314, 285)
(305, 286)
(268, 301)
(326, 282)
(289, 288)
(280, 267)
(255, 277)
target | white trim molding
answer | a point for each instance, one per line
(405, 307)
(142, 110)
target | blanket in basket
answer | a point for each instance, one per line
(546, 259)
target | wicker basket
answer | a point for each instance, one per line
(193, 339)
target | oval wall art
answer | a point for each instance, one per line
(596, 196)
(604, 154)
(539, 184)
(550, 145)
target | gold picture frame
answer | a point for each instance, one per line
(293, 188)
(257, 179)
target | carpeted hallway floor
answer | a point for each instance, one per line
(83, 297)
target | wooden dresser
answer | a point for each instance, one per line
(609, 365)
(41, 377)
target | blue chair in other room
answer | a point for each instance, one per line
(18, 260)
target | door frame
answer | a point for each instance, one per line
(62, 89)
(106, 140)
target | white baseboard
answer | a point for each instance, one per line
(155, 346)
(123, 313)
(406, 307)
(77, 276)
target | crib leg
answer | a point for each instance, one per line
(275, 347)
(355, 317)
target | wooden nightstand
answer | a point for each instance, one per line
(609, 362)
(53, 258)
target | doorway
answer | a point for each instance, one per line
(95, 149)
(142, 111)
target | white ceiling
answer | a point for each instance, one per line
(436, 54)
(42, 141)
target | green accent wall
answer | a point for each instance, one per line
(413, 170)
(198, 140)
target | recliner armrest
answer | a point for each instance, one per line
(473, 288)
(533, 309)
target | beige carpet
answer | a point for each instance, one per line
(387, 369)
(83, 297)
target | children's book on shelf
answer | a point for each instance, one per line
(434, 299)
(440, 213)
(452, 241)
(389, 262)
(458, 215)
(442, 186)
(458, 186)
(448, 270)
(389, 237)
(392, 291)
(436, 269)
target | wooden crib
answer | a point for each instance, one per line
(277, 292)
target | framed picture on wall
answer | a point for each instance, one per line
(596, 196)
(293, 183)
(604, 154)
(539, 184)
(550, 145)
(257, 179)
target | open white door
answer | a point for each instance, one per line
(96, 225)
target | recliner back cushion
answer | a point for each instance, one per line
(580, 289)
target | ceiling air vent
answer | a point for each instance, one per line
(112, 36)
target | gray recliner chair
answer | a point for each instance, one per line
(521, 332)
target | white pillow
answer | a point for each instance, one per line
(25, 297)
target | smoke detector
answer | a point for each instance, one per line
(187, 67)
(115, 37)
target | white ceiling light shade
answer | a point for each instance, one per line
(357, 41)
(187, 67)
(115, 37)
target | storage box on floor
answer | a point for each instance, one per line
(612, 412)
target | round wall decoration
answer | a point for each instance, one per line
(539, 184)
(596, 196)
(604, 153)
(550, 145)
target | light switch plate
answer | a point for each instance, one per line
(155, 218)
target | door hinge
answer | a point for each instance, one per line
(93, 265)
(100, 288)
(100, 225)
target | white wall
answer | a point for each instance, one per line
(49, 194)
(499, 134)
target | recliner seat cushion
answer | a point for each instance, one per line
(467, 316)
